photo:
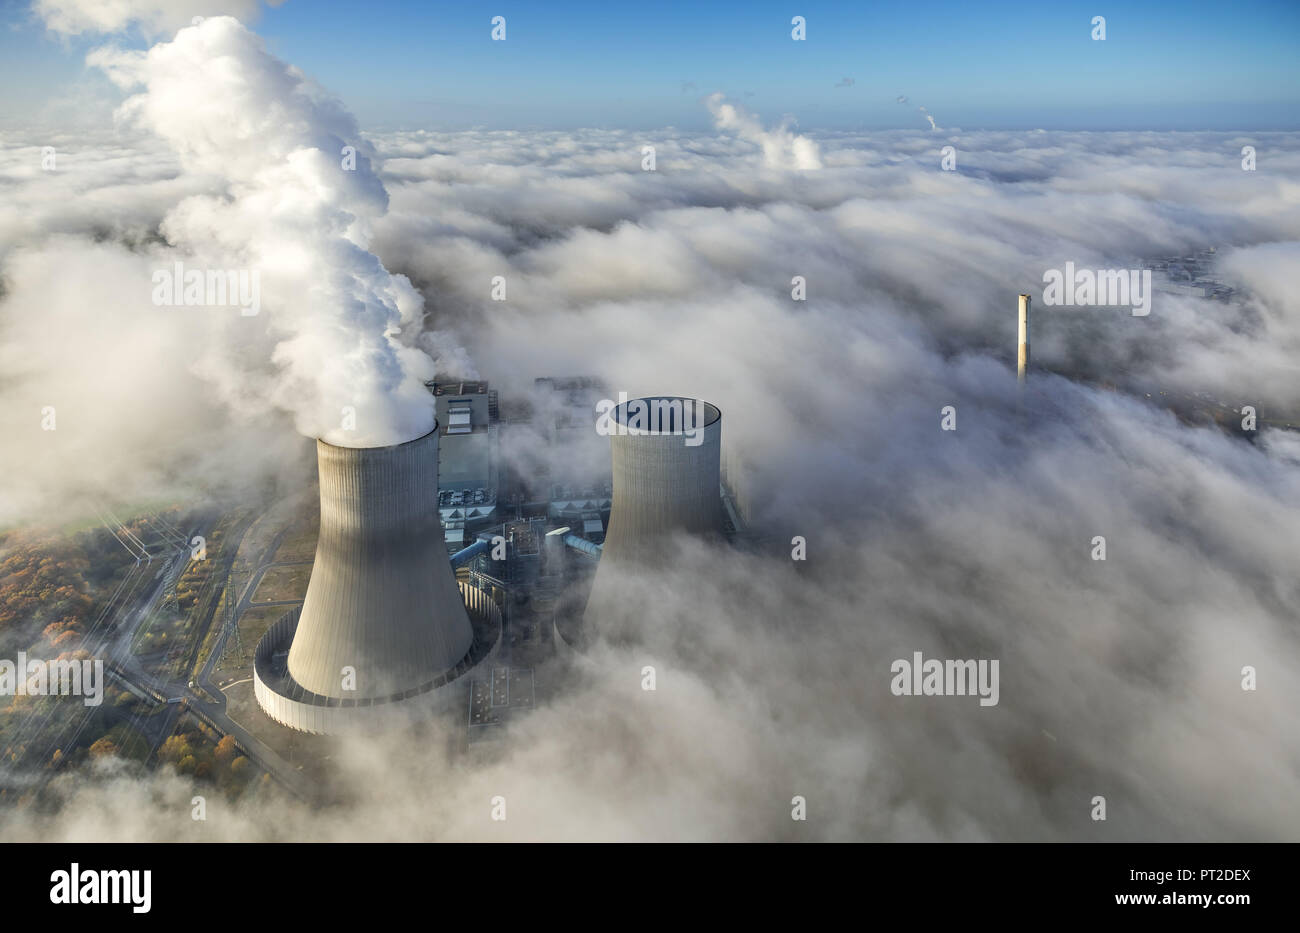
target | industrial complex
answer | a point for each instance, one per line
(447, 565)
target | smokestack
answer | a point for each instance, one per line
(666, 485)
(383, 619)
(1022, 352)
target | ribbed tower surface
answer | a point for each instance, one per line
(383, 599)
(664, 485)
(665, 489)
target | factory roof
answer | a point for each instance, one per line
(477, 387)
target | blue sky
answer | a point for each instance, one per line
(1163, 65)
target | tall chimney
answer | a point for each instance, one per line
(1022, 352)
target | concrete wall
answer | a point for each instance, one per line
(466, 459)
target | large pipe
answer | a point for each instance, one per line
(382, 600)
(465, 555)
(1022, 352)
(583, 545)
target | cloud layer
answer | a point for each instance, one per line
(1120, 678)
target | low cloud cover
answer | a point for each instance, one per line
(1119, 678)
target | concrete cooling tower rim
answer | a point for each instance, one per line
(711, 412)
(415, 440)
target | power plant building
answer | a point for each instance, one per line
(469, 456)
(391, 619)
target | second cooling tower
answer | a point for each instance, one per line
(667, 473)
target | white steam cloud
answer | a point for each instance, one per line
(782, 147)
(294, 199)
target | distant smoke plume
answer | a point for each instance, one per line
(902, 99)
(782, 148)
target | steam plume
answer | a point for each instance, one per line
(294, 198)
(782, 148)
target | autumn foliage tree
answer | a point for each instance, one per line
(103, 748)
(226, 749)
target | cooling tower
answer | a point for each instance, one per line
(383, 619)
(666, 486)
(666, 475)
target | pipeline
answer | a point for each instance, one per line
(582, 544)
(465, 555)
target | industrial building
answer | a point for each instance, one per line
(469, 457)
(562, 569)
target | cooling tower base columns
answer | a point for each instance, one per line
(289, 704)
